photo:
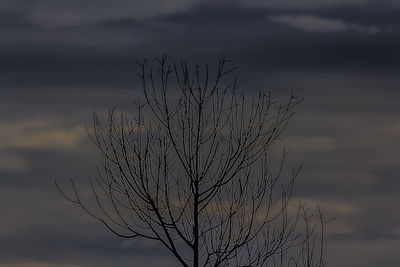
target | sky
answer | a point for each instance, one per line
(62, 60)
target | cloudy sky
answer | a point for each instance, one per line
(62, 60)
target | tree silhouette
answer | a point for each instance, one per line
(193, 170)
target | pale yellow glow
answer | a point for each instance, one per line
(333, 207)
(40, 133)
(310, 143)
(12, 162)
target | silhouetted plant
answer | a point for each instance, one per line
(193, 170)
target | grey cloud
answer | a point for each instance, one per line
(346, 130)
(85, 54)
(62, 13)
(312, 23)
(300, 3)
(81, 243)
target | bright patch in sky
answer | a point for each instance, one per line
(311, 23)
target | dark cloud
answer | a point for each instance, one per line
(103, 50)
(83, 245)
(61, 60)
(255, 38)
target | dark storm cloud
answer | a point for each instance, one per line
(61, 60)
(103, 50)
(373, 13)
(14, 20)
(249, 33)
(85, 239)
(43, 167)
(81, 245)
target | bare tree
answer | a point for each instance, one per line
(193, 170)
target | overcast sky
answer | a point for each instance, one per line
(61, 60)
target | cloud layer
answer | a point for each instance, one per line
(61, 60)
